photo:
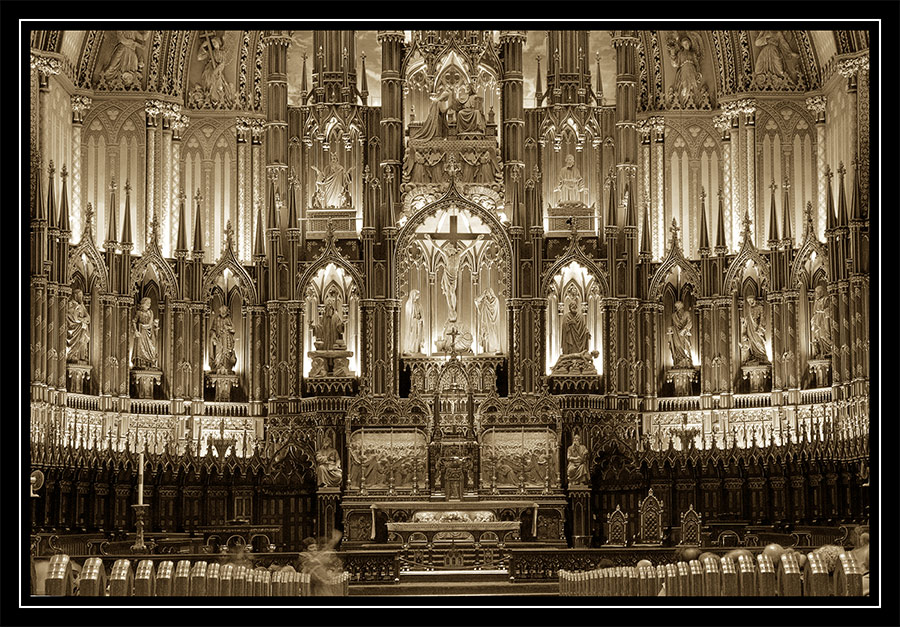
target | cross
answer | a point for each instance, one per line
(208, 35)
(773, 186)
(829, 174)
(454, 235)
(453, 333)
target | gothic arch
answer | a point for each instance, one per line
(330, 255)
(674, 259)
(152, 257)
(229, 261)
(576, 254)
(451, 199)
(88, 248)
(747, 254)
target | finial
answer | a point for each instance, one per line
(452, 168)
(841, 170)
(514, 175)
(154, 230)
(573, 229)
(64, 173)
(112, 182)
(746, 222)
(229, 235)
(127, 185)
(198, 197)
(388, 173)
(773, 186)
(51, 170)
(828, 173)
(674, 230)
(702, 194)
(786, 185)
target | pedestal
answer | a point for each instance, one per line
(757, 374)
(682, 378)
(222, 382)
(580, 498)
(78, 372)
(144, 380)
(140, 513)
(820, 368)
(330, 363)
(575, 363)
(328, 500)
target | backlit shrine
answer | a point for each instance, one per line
(475, 298)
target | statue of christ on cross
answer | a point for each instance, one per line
(451, 253)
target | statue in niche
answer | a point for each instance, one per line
(680, 336)
(775, 53)
(328, 465)
(470, 118)
(78, 329)
(214, 90)
(127, 62)
(415, 335)
(684, 52)
(820, 323)
(570, 184)
(221, 342)
(577, 463)
(146, 331)
(329, 331)
(332, 185)
(435, 125)
(753, 332)
(575, 335)
(451, 255)
(488, 307)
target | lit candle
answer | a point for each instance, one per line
(141, 479)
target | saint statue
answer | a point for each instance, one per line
(415, 335)
(146, 330)
(574, 331)
(217, 91)
(684, 53)
(488, 306)
(329, 331)
(78, 329)
(435, 125)
(577, 463)
(417, 168)
(570, 185)
(470, 119)
(328, 465)
(221, 342)
(820, 321)
(127, 59)
(680, 336)
(451, 256)
(332, 185)
(753, 332)
(774, 52)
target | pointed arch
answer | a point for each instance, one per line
(229, 261)
(748, 254)
(674, 259)
(152, 257)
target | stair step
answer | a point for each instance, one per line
(451, 576)
(456, 588)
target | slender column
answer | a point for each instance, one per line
(276, 43)
(391, 107)
(738, 201)
(659, 205)
(257, 166)
(512, 118)
(723, 355)
(242, 129)
(166, 221)
(152, 110)
(816, 104)
(178, 123)
(80, 104)
(776, 318)
(706, 333)
(748, 108)
(42, 69)
(625, 44)
(791, 349)
(197, 336)
(723, 125)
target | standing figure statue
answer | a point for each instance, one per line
(577, 463)
(78, 329)
(753, 332)
(146, 330)
(127, 61)
(415, 335)
(217, 91)
(574, 332)
(570, 186)
(680, 336)
(773, 55)
(329, 331)
(328, 465)
(332, 185)
(488, 306)
(452, 257)
(221, 342)
(684, 52)
(820, 323)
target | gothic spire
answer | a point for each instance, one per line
(181, 240)
(51, 198)
(64, 203)
(363, 83)
(272, 217)
(292, 201)
(773, 217)
(599, 92)
(829, 201)
(303, 87)
(720, 230)
(514, 200)
(198, 222)
(855, 204)
(538, 87)
(704, 233)
(645, 233)
(38, 198)
(630, 217)
(126, 219)
(259, 246)
(842, 197)
(111, 232)
(612, 209)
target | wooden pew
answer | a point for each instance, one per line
(93, 579)
(261, 582)
(673, 582)
(766, 577)
(226, 580)
(198, 580)
(212, 580)
(164, 575)
(712, 581)
(240, 585)
(60, 577)
(145, 579)
(847, 578)
(305, 585)
(787, 577)
(632, 581)
(684, 579)
(748, 576)
(182, 583)
(294, 583)
(696, 569)
(121, 579)
(729, 578)
(816, 580)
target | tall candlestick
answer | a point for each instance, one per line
(141, 479)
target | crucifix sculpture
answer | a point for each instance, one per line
(451, 253)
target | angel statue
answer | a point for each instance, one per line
(215, 90)
(685, 54)
(775, 58)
